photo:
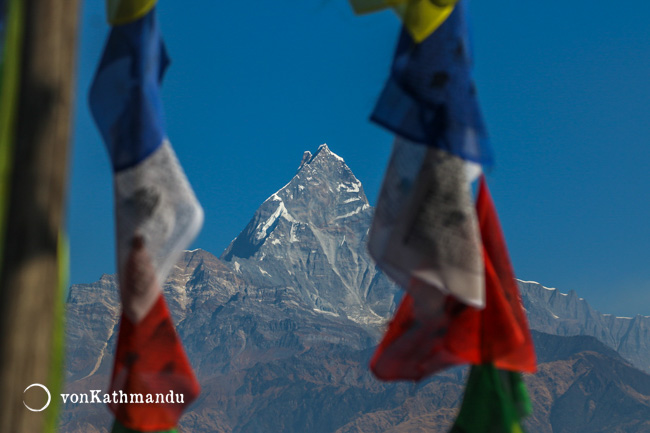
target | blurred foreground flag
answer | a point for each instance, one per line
(430, 97)
(157, 216)
(462, 304)
(425, 236)
(126, 11)
(506, 339)
(425, 225)
(495, 401)
(425, 338)
(433, 330)
(420, 17)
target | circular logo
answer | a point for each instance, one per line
(49, 397)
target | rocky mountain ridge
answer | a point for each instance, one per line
(558, 313)
(310, 235)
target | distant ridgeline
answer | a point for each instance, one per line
(281, 327)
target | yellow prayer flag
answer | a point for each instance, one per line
(420, 17)
(125, 11)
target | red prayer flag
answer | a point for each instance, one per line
(422, 340)
(506, 341)
(150, 360)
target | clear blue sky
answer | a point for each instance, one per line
(565, 92)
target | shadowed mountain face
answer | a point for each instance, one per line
(281, 328)
(583, 386)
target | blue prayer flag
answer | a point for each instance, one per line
(125, 95)
(430, 97)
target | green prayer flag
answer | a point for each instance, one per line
(495, 401)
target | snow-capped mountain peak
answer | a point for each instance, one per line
(316, 225)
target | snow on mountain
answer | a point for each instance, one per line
(566, 314)
(310, 235)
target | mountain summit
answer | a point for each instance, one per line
(310, 235)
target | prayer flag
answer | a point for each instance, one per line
(495, 401)
(425, 225)
(430, 97)
(153, 197)
(506, 336)
(462, 304)
(420, 17)
(150, 361)
(423, 339)
(126, 11)
(432, 331)
(125, 95)
(157, 216)
(425, 236)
